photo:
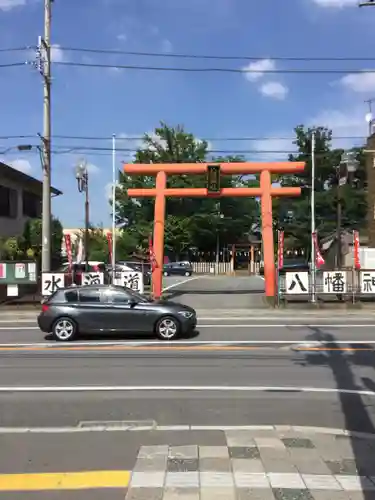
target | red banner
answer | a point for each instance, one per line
(280, 251)
(151, 254)
(68, 247)
(357, 261)
(319, 261)
(109, 239)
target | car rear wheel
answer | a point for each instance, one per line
(167, 328)
(64, 330)
(187, 273)
(165, 273)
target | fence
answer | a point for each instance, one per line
(345, 284)
(222, 268)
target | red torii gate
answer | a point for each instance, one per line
(265, 192)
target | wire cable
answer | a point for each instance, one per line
(214, 70)
(210, 139)
(212, 57)
(13, 65)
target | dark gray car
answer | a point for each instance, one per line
(111, 309)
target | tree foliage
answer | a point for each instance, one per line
(294, 215)
(190, 222)
(28, 246)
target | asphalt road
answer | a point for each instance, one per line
(241, 369)
(226, 375)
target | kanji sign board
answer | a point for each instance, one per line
(130, 279)
(297, 283)
(92, 278)
(367, 281)
(52, 282)
(335, 282)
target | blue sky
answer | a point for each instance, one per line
(99, 102)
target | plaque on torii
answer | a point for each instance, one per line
(265, 192)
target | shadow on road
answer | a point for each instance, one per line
(124, 336)
(356, 416)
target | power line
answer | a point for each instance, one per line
(60, 149)
(215, 70)
(210, 139)
(212, 57)
(17, 49)
(142, 138)
(13, 65)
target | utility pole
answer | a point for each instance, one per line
(369, 115)
(46, 139)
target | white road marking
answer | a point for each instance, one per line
(249, 326)
(184, 388)
(181, 283)
(187, 343)
(163, 428)
(290, 325)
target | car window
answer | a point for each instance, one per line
(71, 296)
(89, 295)
(57, 296)
(117, 297)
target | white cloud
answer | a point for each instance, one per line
(274, 148)
(276, 90)
(255, 70)
(359, 82)
(337, 4)
(20, 164)
(57, 54)
(344, 123)
(7, 5)
(121, 37)
(166, 46)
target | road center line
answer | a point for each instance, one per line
(153, 388)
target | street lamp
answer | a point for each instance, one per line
(348, 165)
(369, 3)
(82, 177)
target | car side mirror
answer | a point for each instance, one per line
(133, 302)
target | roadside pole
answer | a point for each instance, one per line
(114, 182)
(312, 199)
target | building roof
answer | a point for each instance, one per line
(17, 176)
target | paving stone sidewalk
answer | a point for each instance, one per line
(275, 464)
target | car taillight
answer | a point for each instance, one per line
(45, 308)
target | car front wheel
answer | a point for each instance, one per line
(187, 273)
(165, 273)
(167, 328)
(64, 330)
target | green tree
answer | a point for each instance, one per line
(190, 222)
(294, 215)
(32, 240)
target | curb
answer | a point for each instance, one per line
(152, 426)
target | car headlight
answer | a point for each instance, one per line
(186, 314)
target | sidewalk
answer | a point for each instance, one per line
(148, 462)
(276, 464)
